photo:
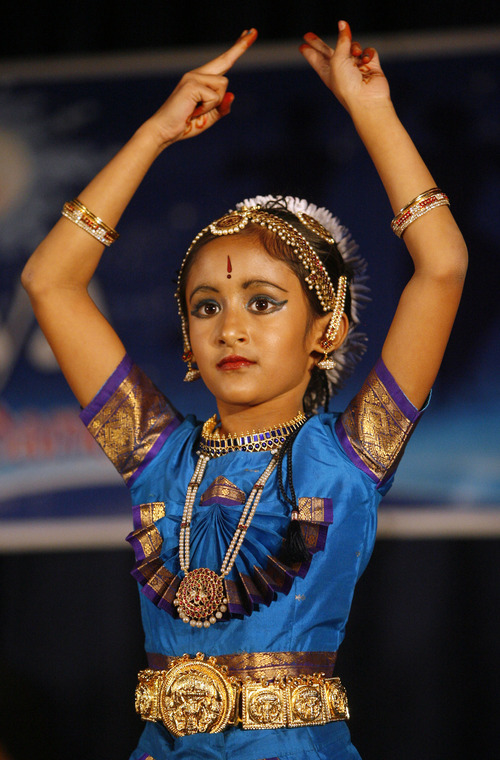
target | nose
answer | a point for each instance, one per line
(232, 327)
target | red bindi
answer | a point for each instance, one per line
(229, 268)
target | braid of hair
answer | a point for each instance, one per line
(294, 548)
(326, 389)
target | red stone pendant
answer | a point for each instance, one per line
(200, 598)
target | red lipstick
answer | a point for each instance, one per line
(234, 362)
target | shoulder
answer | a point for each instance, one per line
(377, 424)
(130, 419)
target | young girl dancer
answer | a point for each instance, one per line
(251, 530)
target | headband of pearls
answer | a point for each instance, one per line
(259, 210)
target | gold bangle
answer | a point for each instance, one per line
(79, 214)
(418, 207)
(419, 198)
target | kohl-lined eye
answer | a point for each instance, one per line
(265, 304)
(205, 308)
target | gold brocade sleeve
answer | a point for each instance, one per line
(130, 419)
(377, 424)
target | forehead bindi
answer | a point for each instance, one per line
(243, 258)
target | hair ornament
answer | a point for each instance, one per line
(352, 349)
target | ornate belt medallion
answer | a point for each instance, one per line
(193, 697)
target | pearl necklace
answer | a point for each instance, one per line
(200, 599)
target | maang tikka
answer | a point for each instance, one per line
(317, 277)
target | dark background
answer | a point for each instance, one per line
(34, 28)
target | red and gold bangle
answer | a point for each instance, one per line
(418, 207)
(79, 214)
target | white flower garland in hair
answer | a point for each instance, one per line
(354, 346)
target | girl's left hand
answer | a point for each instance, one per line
(353, 75)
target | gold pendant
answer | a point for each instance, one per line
(200, 598)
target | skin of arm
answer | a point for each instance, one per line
(57, 274)
(417, 338)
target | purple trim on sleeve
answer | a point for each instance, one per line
(351, 453)
(404, 403)
(112, 383)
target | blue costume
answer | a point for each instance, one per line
(342, 466)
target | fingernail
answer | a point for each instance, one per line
(342, 26)
(226, 102)
(245, 31)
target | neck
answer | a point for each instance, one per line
(237, 421)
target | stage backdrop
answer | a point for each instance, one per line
(286, 134)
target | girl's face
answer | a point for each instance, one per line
(250, 327)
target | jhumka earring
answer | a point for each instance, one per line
(326, 362)
(328, 341)
(193, 373)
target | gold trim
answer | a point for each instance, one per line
(311, 509)
(223, 488)
(151, 512)
(131, 421)
(376, 427)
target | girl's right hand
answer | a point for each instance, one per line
(200, 99)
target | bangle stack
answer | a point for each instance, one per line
(418, 207)
(79, 214)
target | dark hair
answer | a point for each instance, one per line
(317, 392)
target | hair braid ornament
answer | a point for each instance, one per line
(319, 221)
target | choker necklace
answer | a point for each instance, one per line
(200, 599)
(215, 444)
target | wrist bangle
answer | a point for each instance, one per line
(418, 207)
(79, 214)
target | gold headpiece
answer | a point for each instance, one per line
(317, 277)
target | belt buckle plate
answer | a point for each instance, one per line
(263, 705)
(193, 696)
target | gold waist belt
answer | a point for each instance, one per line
(198, 695)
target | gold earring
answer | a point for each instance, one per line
(326, 362)
(192, 373)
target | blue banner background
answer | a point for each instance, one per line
(285, 135)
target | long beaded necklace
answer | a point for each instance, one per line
(200, 599)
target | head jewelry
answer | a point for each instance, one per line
(259, 211)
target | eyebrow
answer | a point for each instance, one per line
(250, 283)
(207, 288)
(247, 284)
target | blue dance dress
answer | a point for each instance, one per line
(342, 466)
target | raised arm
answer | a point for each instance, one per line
(57, 275)
(419, 332)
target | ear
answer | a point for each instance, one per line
(320, 328)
